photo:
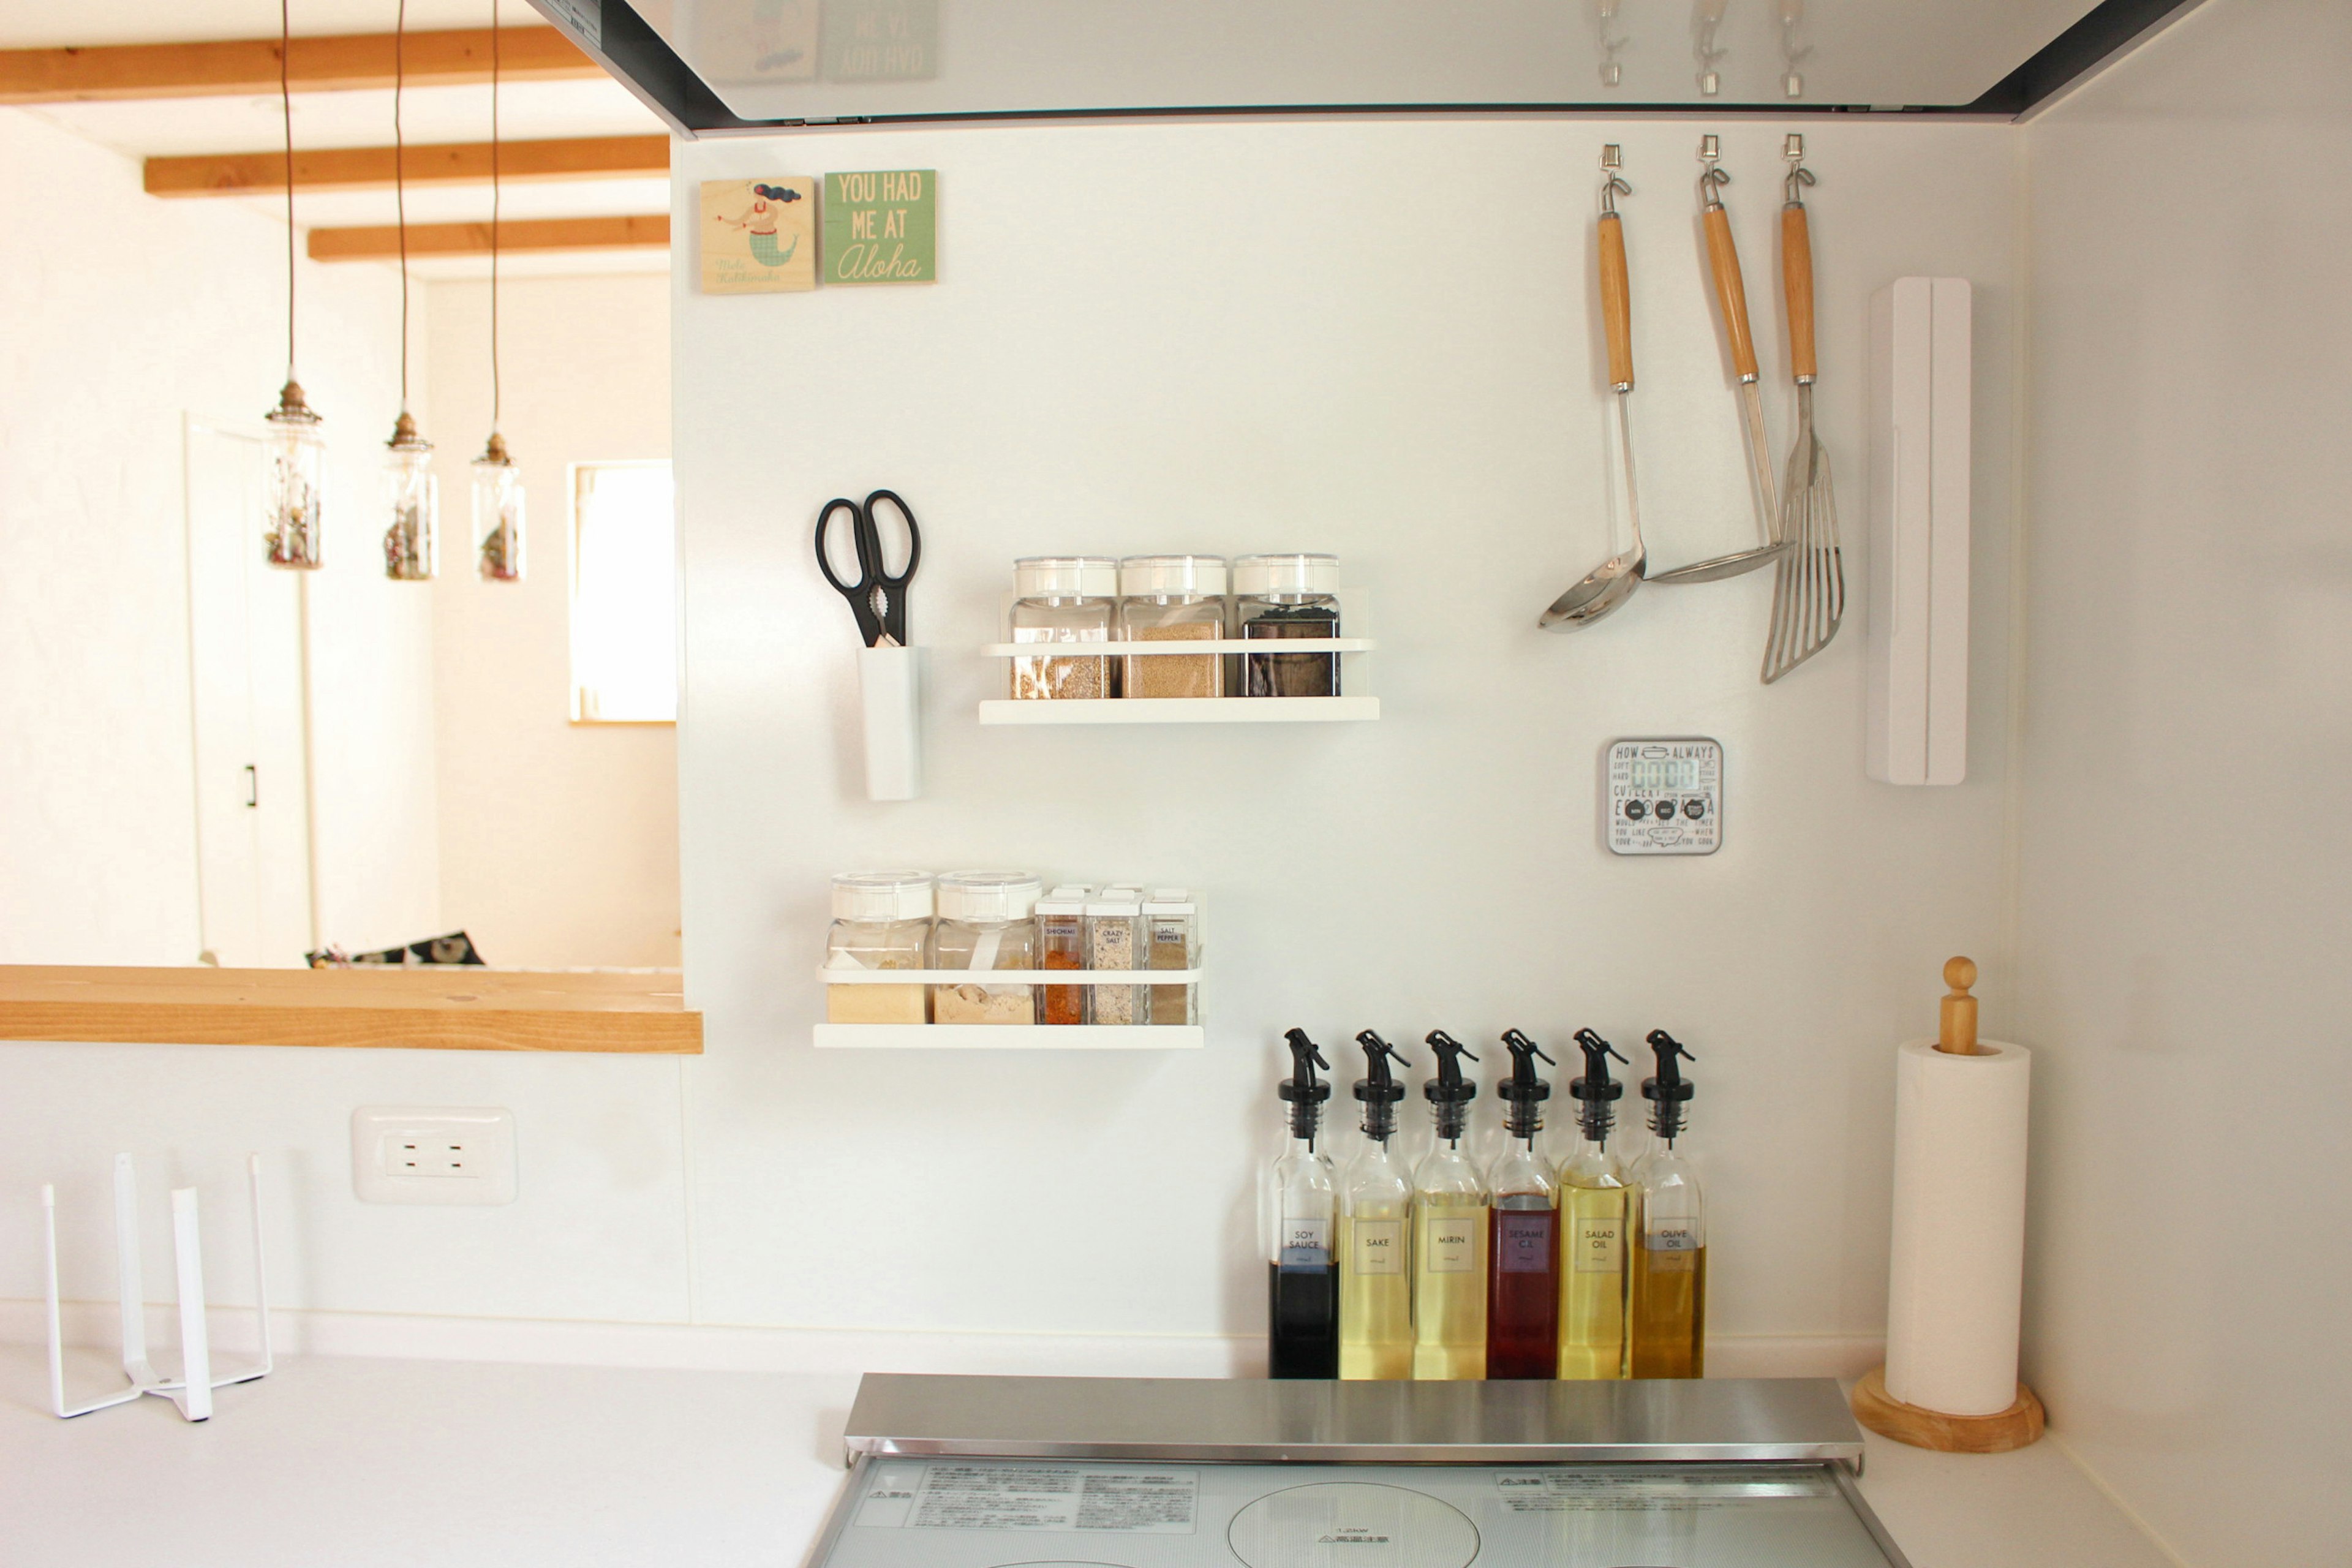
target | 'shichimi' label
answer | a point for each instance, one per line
(1305, 1243)
(1525, 1241)
(1598, 1247)
(1380, 1245)
(1450, 1241)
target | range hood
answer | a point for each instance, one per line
(744, 65)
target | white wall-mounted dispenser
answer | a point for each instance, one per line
(890, 686)
(1917, 730)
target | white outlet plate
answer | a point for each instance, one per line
(433, 1154)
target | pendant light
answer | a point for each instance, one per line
(296, 449)
(410, 543)
(497, 484)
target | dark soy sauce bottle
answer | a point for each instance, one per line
(1302, 1211)
(1523, 1234)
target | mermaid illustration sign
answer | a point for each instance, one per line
(882, 227)
(759, 236)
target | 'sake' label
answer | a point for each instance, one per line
(1380, 1245)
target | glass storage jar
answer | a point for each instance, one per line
(1064, 599)
(1171, 939)
(1115, 942)
(1172, 598)
(987, 920)
(881, 920)
(1277, 596)
(1062, 944)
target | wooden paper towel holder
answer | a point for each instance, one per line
(2021, 1425)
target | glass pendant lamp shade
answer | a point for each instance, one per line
(409, 544)
(498, 514)
(297, 453)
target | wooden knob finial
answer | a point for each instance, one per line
(1958, 1033)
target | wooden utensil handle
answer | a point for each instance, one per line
(1796, 280)
(1723, 259)
(1616, 303)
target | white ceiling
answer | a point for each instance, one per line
(529, 111)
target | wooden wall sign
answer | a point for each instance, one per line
(882, 227)
(759, 236)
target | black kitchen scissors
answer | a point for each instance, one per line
(878, 598)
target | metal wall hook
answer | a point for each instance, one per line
(1614, 184)
(1713, 177)
(1798, 176)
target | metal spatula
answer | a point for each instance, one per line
(1808, 584)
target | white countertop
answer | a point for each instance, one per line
(414, 1464)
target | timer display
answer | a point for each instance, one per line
(1663, 797)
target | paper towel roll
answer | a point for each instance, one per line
(1959, 1262)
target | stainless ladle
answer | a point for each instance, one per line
(1612, 582)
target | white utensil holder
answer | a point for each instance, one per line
(891, 687)
(999, 1036)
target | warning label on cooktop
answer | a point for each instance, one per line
(1140, 1500)
(1572, 1491)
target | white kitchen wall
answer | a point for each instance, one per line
(558, 841)
(2186, 852)
(1377, 339)
(1374, 338)
(123, 314)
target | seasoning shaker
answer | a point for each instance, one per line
(987, 920)
(1279, 596)
(881, 920)
(1062, 944)
(1172, 598)
(1064, 599)
(1172, 941)
(1115, 942)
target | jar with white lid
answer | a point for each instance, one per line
(1172, 598)
(1064, 599)
(1115, 942)
(987, 920)
(1062, 944)
(1172, 934)
(881, 920)
(1279, 596)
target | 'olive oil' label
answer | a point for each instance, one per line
(1675, 1241)
(1450, 1241)
(1598, 1245)
(1380, 1245)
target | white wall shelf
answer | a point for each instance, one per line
(1173, 648)
(1012, 1037)
(1178, 710)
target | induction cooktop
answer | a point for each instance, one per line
(1069, 1473)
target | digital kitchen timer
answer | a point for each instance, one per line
(1663, 798)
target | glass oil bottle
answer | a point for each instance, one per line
(1449, 1232)
(1302, 1279)
(1523, 1231)
(1666, 1326)
(1375, 1221)
(1593, 1200)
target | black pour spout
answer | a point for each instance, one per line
(1523, 1092)
(1302, 1090)
(1669, 1091)
(1449, 1094)
(1596, 1093)
(1377, 1089)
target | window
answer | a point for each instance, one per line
(624, 593)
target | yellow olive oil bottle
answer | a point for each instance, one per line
(1667, 1262)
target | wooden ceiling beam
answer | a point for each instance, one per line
(515, 234)
(436, 163)
(115, 73)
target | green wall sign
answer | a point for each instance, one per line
(882, 227)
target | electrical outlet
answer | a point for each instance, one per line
(433, 1154)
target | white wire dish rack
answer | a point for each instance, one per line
(1013, 1036)
(1227, 709)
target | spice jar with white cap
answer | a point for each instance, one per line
(1172, 598)
(1064, 599)
(1279, 596)
(881, 920)
(987, 922)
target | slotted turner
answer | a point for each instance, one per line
(1809, 580)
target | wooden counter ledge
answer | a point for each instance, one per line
(455, 1008)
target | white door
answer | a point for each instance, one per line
(247, 663)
